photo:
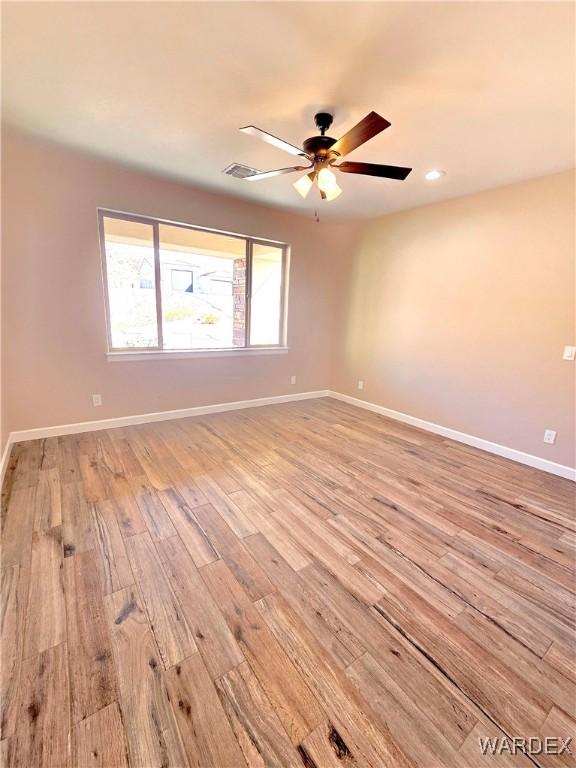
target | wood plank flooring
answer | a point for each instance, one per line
(306, 585)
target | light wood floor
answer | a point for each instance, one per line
(306, 585)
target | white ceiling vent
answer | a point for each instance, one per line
(239, 171)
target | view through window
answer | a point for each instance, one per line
(175, 287)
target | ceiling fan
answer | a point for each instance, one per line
(323, 153)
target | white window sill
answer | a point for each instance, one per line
(179, 354)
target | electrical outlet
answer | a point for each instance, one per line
(569, 353)
(550, 436)
(293, 380)
(96, 400)
(360, 384)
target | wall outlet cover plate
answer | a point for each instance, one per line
(549, 436)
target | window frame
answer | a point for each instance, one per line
(186, 271)
(159, 349)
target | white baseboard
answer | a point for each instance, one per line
(123, 421)
(477, 442)
(5, 459)
(144, 418)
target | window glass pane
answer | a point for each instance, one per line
(265, 305)
(203, 289)
(182, 280)
(130, 274)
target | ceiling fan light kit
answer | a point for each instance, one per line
(332, 193)
(323, 154)
(304, 184)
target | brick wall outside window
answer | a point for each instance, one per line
(239, 297)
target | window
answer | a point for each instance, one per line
(266, 276)
(182, 280)
(178, 287)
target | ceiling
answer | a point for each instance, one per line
(484, 91)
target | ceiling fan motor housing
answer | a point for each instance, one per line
(319, 146)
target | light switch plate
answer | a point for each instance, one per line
(360, 384)
(569, 353)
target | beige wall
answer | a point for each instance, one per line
(458, 314)
(54, 338)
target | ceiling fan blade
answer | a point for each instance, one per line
(278, 172)
(373, 169)
(274, 140)
(366, 129)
